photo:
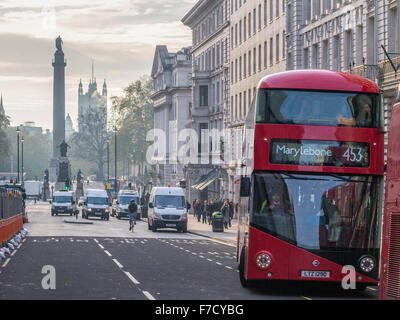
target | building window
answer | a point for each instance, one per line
(271, 9)
(315, 60)
(236, 107)
(203, 137)
(249, 97)
(244, 103)
(254, 20)
(240, 68)
(249, 63)
(254, 60)
(259, 57)
(240, 31)
(336, 53)
(371, 43)
(236, 66)
(259, 17)
(244, 29)
(240, 105)
(265, 12)
(203, 96)
(394, 32)
(249, 31)
(236, 35)
(325, 54)
(231, 71)
(271, 51)
(359, 45)
(231, 37)
(306, 66)
(277, 8)
(244, 66)
(277, 48)
(265, 54)
(348, 52)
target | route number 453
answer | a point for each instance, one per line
(353, 155)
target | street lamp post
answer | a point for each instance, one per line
(18, 131)
(22, 158)
(108, 160)
(115, 162)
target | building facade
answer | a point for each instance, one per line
(209, 21)
(69, 127)
(91, 98)
(257, 48)
(349, 36)
(171, 74)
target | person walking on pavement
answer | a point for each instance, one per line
(198, 210)
(205, 208)
(132, 214)
(226, 211)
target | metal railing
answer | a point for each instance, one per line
(11, 203)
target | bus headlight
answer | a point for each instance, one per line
(263, 260)
(367, 264)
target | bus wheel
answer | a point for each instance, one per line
(243, 281)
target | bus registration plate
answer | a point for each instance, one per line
(315, 274)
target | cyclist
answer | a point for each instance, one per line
(132, 214)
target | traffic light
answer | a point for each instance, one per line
(67, 184)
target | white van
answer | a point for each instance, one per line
(123, 201)
(96, 204)
(63, 202)
(167, 209)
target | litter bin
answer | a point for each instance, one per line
(217, 222)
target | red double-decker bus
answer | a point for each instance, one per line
(390, 255)
(311, 192)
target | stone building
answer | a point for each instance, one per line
(257, 48)
(209, 22)
(69, 127)
(171, 73)
(92, 98)
(349, 36)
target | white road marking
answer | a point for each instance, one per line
(201, 257)
(117, 263)
(148, 295)
(131, 278)
(101, 246)
(95, 240)
(194, 253)
(209, 259)
(219, 263)
(109, 254)
(228, 267)
(5, 263)
(13, 252)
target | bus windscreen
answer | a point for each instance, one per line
(343, 109)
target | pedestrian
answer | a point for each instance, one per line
(198, 210)
(205, 209)
(210, 211)
(194, 204)
(226, 211)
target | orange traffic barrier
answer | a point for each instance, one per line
(10, 226)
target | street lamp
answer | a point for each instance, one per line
(115, 162)
(18, 131)
(108, 160)
(22, 156)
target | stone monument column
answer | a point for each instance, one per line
(59, 65)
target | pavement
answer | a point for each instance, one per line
(205, 230)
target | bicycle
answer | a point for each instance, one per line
(132, 221)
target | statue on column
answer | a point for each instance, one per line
(59, 43)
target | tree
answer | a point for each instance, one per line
(133, 116)
(90, 143)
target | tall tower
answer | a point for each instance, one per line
(59, 65)
(105, 89)
(2, 112)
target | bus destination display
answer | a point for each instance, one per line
(320, 153)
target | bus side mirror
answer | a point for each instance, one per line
(245, 187)
(151, 205)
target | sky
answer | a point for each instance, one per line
(118, 35)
